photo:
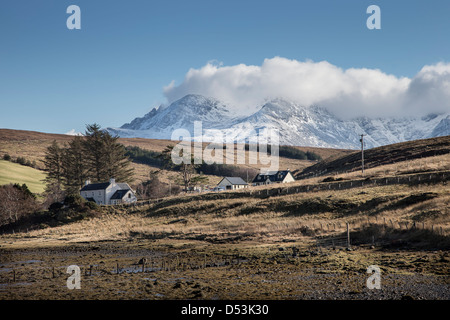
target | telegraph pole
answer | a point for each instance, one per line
(362, 153)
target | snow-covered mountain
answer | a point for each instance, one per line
(160, 123)
(297, 125)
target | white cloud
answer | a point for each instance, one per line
(347, 93)
(430, 89)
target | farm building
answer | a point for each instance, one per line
(108, 193)
(283, 176)
(232, 183)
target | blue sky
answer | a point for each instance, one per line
(114, 69)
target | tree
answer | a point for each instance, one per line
(16, 201)
(94, 152)
(105, 156)
(117, 164)
(187, 169)
(74, 165)
(54, 166)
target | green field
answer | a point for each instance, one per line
(16, 173)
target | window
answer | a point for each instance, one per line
(129, 195)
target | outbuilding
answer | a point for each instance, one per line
(232, 183)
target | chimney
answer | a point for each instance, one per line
(87, 182)
(112, 181)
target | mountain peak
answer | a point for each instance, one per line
(298, 125)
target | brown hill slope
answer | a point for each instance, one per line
(379, 156)
(32, 146)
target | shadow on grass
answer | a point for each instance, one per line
(413, 238)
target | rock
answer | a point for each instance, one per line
(197, 294)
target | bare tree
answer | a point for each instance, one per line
(16, 202)
(187, 169)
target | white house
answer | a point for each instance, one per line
(232, 183)
(283, 176)
(107, 193)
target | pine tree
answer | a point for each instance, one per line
(74, 165)
(117, 164)
(94, 152)
(105, 156)
(54, 167)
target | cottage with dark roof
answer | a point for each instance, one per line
(108, 193)
(282, 176)
(232, 183)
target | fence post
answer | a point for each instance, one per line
(348, 236)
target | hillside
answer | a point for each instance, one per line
(16, 173)
(32, 146)
(375, 157)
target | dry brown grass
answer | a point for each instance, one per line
(293, 217)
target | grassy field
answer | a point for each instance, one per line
(16, 173)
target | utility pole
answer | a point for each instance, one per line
(362, 153)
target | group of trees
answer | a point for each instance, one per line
(16, 201)
(96, 156)
(20, 160)
(227, 170)
(155, 188)
(187, 170)
(142, 156)
(289, 152)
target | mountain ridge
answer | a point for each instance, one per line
(298, 125)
